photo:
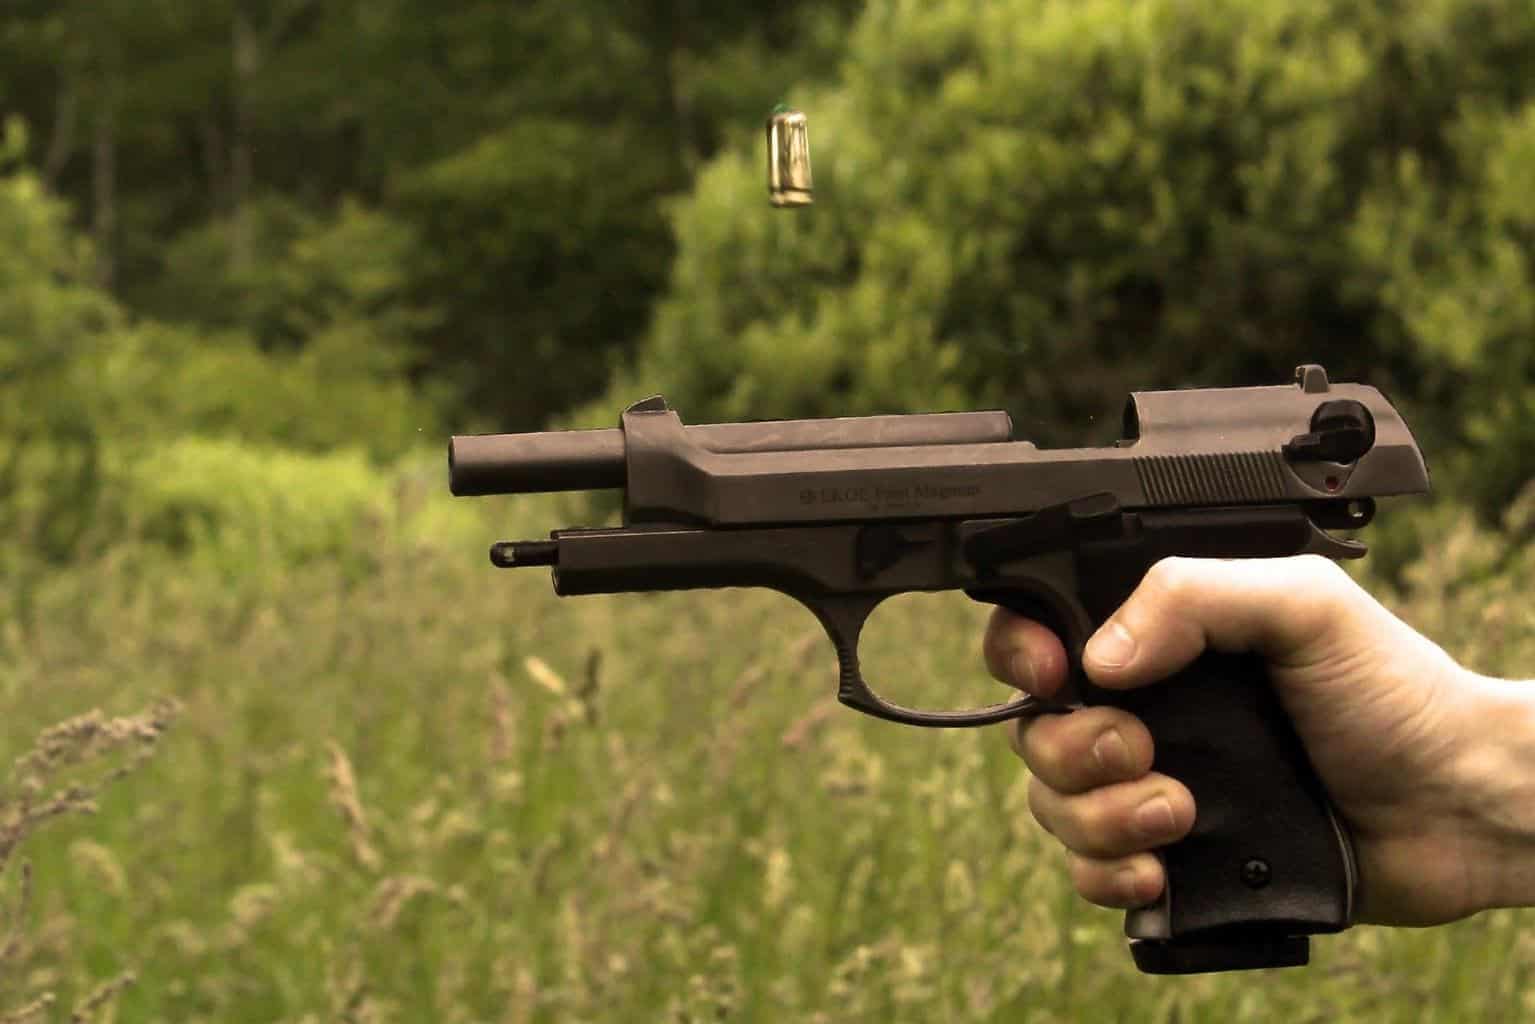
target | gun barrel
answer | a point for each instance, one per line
(590, 460)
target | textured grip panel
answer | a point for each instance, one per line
(1212, 478)
(1267, 858)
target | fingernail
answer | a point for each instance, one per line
(1021, 668)
(1112, 646)
(1155, 819)
(1112, 753)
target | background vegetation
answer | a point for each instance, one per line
(258, 257)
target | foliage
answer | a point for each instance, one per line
(1468, 585)
(522, 156)
(251, 512)
(511, 220)
(307, 273)
(53, 330)
(341, 391)
(1459, 281)
(96, 402)
(51, 780)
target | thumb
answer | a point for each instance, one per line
(1291, 610)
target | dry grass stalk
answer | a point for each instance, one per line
(346, 983)
(391, 896)
(728, 734)
(809, 724)
(544, 856)
(502, 723)
(36, 793)
(18, 916)
(343, 796)
(713, 996)
(98, 860)
(350, 996)
(27, 803)
(591, 686)
(554, 730)
(634, 794)
(580, 703)
(85, 1010)
(540, 672)
(559, 719)
(794, 656)
(251, 906)
(524, 994)
(31, 1012)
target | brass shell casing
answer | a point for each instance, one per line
(788, 143)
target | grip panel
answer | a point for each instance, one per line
(1268, 861)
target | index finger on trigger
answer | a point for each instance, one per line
(1022, 653)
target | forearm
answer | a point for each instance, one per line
(1497, 772)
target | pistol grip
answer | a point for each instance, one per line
(1268, 861)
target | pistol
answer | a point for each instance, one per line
(843, 513)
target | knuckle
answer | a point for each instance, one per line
(1322, 567)
(1098, 881)
(1171, 578)
(1090, 825)
(1042, 744)
(1016, 730)
(1104, 823)
(1042, 804)
(1321, 576)
(1126, 747)
(1313, 594)
(1085, 878)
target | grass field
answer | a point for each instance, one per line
(406, 787)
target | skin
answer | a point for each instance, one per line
(1432, 767)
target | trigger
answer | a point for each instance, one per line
(1057, 620)
(1320, 542)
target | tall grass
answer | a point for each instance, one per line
(408, 787)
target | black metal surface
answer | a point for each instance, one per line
(591, 460)
(1160, 956)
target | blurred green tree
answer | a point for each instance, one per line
(88, 392)
(544, 238)
(525, 150)
(1457, 263)
(54, 324)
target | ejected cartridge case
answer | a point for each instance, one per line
(788, 142)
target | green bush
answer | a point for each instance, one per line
(55, 328)
(82, 386)
(246, 507)
(258, 511)
(343, 389)
(302, 273)
(1459, 286)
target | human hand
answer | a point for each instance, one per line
(1397, 731)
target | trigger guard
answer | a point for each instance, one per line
(857, 695)
(843, 621)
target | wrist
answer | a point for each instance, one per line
(1495, 777)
